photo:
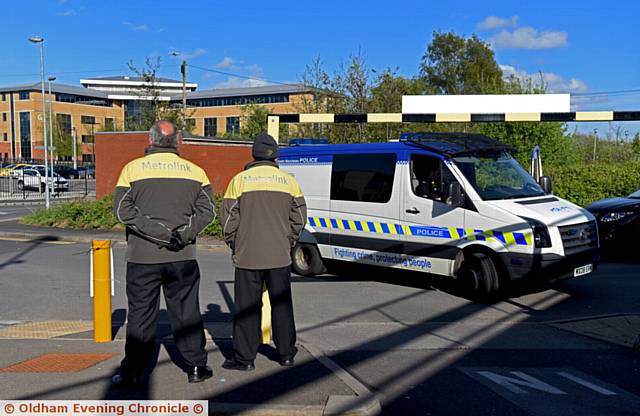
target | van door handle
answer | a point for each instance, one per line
(413, 211)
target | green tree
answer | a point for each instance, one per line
(456, 65)
(635, 145)
(386, 97)
(152, 106)
(253, 120)
(62, 141)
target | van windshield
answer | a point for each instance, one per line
(497, 176)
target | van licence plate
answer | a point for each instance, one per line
(582, 270)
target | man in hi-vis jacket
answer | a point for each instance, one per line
(164, 201)
(263, 214)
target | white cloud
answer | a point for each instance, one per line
(229, 63)
(495, 22)
(255, 72)
(69, 12)
(529, 38)
(233, 82)
(138, 28)
(553, 82)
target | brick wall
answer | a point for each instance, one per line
(114, 150)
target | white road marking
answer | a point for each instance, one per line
(4, 213)
(525, 380)
(586, 384)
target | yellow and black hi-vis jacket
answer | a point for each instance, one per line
(263, 213)
(160, 194)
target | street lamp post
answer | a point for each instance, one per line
(75, 150)
(37, 39)
(51, 79)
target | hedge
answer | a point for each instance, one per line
(589, 182)
(95, 215)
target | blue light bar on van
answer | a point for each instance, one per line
(307, 142)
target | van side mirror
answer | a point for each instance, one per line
(545, 184)
(456, 196)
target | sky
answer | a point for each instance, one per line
(584, 48)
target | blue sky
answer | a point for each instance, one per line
(579, 47)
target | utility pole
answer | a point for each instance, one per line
(183, 69)
(595, 141)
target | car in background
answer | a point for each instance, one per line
(66, 172)
(88, 172)
(4, 170)
(618, 222)
(34, 179)
(15, 170)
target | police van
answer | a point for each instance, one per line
(450, 204)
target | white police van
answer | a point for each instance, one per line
(450, 204)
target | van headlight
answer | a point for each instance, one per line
(541, 236)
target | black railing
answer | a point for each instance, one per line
(27, 181)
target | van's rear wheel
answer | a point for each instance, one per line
(479, 274)
(306, 260)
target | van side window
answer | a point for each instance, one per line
(429, 178)
(363, 177)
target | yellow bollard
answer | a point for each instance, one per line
(101, 290)
(265, 322)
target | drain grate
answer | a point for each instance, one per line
(57, 363)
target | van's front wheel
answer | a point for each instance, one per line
(479, 273)
(306, 260)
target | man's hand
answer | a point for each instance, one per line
(175, 243)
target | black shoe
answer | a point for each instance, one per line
(126, 382)
(287, 363)
(199, 373)
(232, 364)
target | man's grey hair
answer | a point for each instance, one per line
(164, 134)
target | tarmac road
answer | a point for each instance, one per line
(414, 341)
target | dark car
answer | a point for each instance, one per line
(618, 221)
(66, 172)
(87, 172)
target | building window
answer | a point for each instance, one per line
(88, 120)
(233, 125)
(80, 99)
(210, 127)
(109, 124)
(4, 116)
(363, 177)
(23, 95)
(4, 97)
(25, 135)
(63, 122)
(87, 138)
(4, 137)
(87, 158)
(249, 99)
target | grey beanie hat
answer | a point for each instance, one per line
(265, 147)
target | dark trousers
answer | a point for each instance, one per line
(179, 281)
(248, 306)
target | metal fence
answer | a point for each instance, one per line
(27, 183)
